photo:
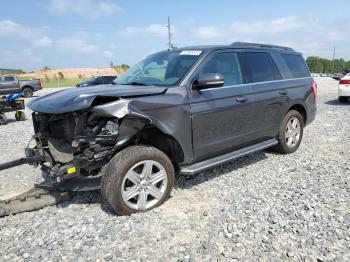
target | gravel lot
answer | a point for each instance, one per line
(261, 207)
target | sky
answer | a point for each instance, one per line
(94, 33)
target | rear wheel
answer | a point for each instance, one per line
(3, 119)
(290, 133)
(20, 116)
(343, 99)
(137, 179)
(28, 92)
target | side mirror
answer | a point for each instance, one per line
(209, 80)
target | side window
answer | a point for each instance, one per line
(296, 65)
(99, 80)
(9, 79)
(258, 67)
(225, 64)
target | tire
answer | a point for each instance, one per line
(126, 190)
(28, 92)
(20, 116)
(343, 99)
(3, 119)
(285, 146)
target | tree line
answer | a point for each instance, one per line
(322, 65)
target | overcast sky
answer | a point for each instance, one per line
(92, 33)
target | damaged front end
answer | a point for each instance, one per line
(80, 143)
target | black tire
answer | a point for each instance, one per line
(20, 116)
(3, 119)
(282, 146)
(28, 92)
(343, 99)
(117, 168)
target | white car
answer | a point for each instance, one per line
(344, 88)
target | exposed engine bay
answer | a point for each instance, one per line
(79, 143)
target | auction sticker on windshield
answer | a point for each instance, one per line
(191, 52)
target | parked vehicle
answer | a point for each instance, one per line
(338, 76)
(344, 89)
(12, 103)
(97, 80)
(11, 85)
(179, 111)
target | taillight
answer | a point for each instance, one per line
(344, 82)
(313, 88)
(40, 87)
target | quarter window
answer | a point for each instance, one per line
(296, 65)
(258, 67)
(225, 64)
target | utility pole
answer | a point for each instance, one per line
(333, 59)
(170, 46)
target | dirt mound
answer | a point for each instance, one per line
(72, 73)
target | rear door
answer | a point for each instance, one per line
(9, 85)
(270, 94)
(222, 117)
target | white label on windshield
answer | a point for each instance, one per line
(191, 52)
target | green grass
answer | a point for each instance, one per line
(67, 82)
(61, 82)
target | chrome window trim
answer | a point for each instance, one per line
(256, 83)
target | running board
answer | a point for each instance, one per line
(201, 166)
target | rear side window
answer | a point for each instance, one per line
(296, 65)
(9, 79)
(258, 67)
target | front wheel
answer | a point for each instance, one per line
(3, 119)
(290, 133)
(137, 179)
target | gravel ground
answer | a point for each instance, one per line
(261, 207)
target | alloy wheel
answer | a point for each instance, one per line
(144, 185)
(293, 130)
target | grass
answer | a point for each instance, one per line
(66, 82)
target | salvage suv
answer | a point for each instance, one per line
(179, 111)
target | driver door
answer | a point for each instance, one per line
(222, 117)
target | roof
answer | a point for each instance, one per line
(236, 45)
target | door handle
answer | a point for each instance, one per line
(241, 99)
(283, 92)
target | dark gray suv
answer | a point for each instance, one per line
(179, 111)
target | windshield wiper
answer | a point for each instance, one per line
(135, 83)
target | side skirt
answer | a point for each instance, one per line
(218, 160)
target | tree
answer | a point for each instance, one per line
(46, 68)
(60, 75)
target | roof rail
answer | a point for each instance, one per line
(261, 45)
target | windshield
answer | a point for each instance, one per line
(160, 69)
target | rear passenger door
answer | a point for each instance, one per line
(261, 73)
(222, 117)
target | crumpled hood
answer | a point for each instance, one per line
(72, 99)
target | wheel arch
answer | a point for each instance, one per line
(153, 136)
(27, 86)
(301, 109)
